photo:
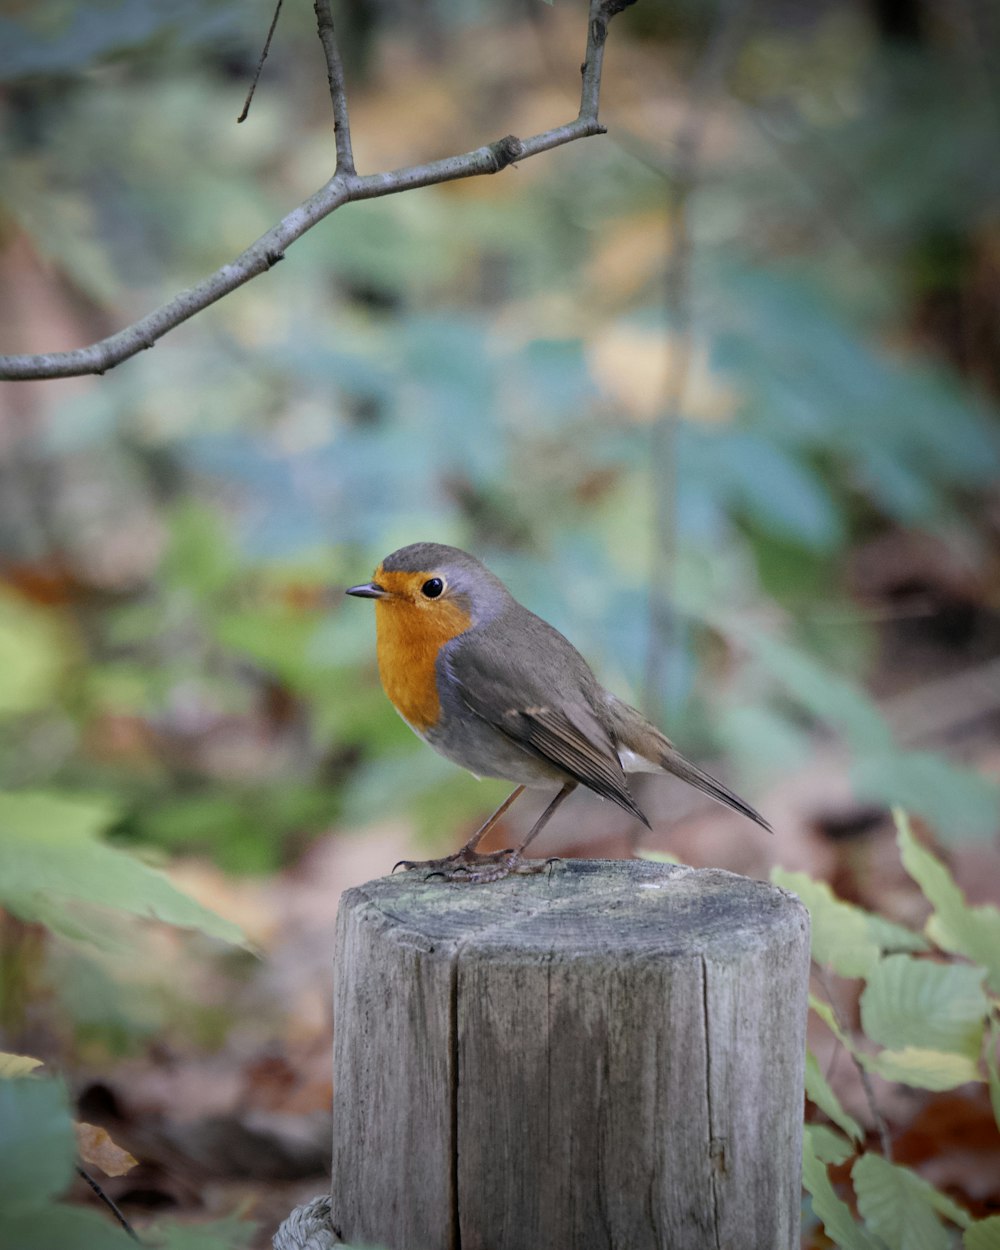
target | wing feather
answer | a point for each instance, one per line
(575, 741)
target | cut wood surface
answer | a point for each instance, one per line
(607, 1054)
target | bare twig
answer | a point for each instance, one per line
(260, 63)
(344, 187)
(108, 1202)
(708, 81)
(338, 92)
(601, 13)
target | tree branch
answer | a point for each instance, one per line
(344, 187)
(338, 91)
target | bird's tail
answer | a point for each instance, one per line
(632, 731)
(673, 762)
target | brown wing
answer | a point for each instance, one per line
(575, 741)
(516, 700)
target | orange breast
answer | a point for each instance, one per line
(410, 635)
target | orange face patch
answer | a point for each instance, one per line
(411, 630)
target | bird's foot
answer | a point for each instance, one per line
(475, 868)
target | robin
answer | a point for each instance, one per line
(498, 690)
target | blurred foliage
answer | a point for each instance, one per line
(936, 1024)
(51, 862)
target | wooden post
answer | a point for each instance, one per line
(609, 1054)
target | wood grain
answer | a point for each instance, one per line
(606, 1055)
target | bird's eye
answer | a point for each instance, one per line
(432, 588)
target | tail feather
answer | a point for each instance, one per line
(631, 730)
(675, 763)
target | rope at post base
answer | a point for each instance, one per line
(309, 1227)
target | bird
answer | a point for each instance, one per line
(499, 691)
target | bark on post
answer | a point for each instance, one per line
(607, 1055)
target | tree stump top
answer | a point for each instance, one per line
(581, 907)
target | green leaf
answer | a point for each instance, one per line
(31, 656)
(37, 1147)
(841, 939)
(834, 1213)
(913, 1002)
(948, 1207)
(845, 937)
(829, 1145)
(901, 1207)
(983, 1235)
(926, 1069)
(50, 856)
(892, 937)
(819, 1091)
(970, 931)
(956, 800)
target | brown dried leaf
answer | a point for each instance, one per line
(94, 1146)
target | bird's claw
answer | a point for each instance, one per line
(474, 868)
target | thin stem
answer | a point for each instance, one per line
(260, 63)
(110, 1203)
(338, 91)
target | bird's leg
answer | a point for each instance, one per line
(462, 862)
(470, 865)
(487, 825)
(543, 820)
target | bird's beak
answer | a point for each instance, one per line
(367, 590)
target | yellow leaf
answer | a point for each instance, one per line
(927, 1069)
(13, 1066)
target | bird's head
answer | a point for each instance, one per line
(436, 586)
